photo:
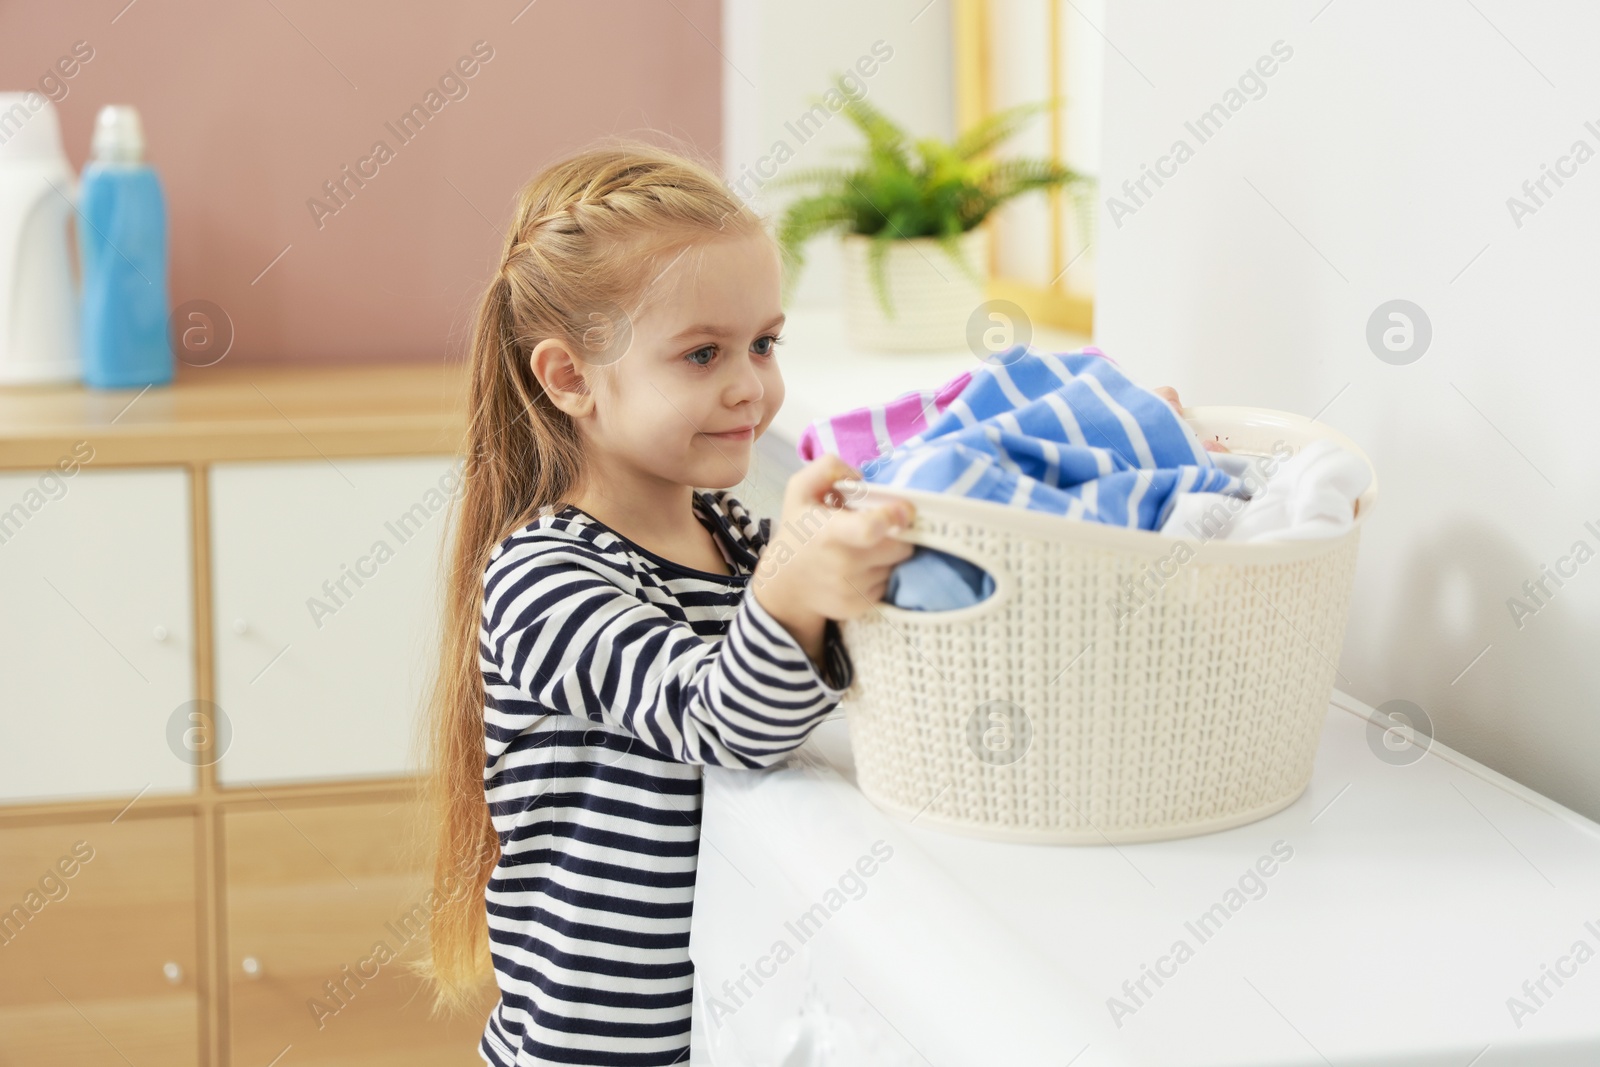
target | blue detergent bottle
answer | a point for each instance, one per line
(122, 253)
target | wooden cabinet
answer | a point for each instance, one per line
(326, 621)
(96, 635)
(98, 943)
(264, 542)
(326, 904)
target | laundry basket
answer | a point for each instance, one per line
(1112, 688)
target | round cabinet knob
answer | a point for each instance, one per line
(251, 966)
(159, 633)
(240, 626)
(173, 972)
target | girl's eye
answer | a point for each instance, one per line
(710, 351)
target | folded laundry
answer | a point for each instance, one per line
(1065, 433)
(1311, 494)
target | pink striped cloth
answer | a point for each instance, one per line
(863, 434)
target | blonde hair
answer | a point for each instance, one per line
(591, 234)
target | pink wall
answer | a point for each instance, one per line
(249, 107)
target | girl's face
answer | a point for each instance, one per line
(699, 380)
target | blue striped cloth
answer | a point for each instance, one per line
(1066, 433)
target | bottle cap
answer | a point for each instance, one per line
(118, 135)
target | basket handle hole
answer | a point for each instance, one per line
(932, 579)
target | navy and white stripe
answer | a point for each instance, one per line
(1066, 433)
(612, 676)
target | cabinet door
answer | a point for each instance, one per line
(326, 906)
(96, 632)
(97, 943)
(325, 576)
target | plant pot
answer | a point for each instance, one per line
(931, 296)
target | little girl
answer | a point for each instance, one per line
(615, 619)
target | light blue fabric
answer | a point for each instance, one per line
(1063, 433)
(937, 581)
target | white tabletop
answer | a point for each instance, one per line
(1418, 896)
(1419, 893)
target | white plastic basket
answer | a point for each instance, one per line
(1047, 714)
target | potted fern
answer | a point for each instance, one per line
(911, 212)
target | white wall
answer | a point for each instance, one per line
(1377, 165)
(781, 54)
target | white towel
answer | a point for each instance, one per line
(1311, 494)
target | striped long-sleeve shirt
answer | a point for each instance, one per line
(612, 676)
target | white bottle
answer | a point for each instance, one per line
(38, 296)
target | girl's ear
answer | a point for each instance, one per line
(561, 377)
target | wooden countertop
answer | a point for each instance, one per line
(241, 412)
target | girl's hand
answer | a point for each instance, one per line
(825, 561)
(1170, 395)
